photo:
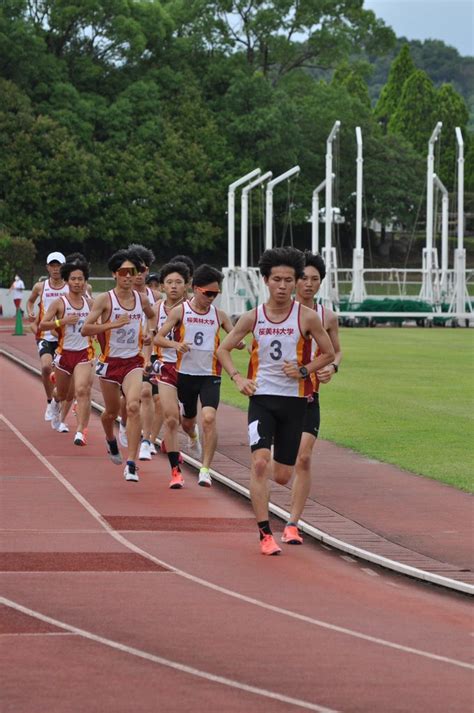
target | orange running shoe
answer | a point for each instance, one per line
(291, 535)
(177, 480)
(268, 546)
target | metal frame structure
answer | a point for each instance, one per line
(358, 292)
(430, 288)
(269, 203)
(244, 217)
(231, 214)
(329, 292)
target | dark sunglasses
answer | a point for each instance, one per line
(208, 293)
(124, 271)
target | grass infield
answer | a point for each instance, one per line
(403, 396)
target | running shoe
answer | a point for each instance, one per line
(204, 478)
(49, 413)
(194, 444)
(63, 428)
(114, 453)
(268, 546)
(291, 535)
(152, 449)
(144, 453)
(123, 440)
(79, 439)
(131, 472)
(177, 480)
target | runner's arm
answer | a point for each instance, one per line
(100, 310)
(30, 303)
(227, 326)
(326, 373)
(161, 339)
(243, 327)
(54, 313)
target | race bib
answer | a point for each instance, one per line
(101, 368)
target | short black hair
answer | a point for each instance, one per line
(69, 267)
(153, 277)
(205, 274)
(171, 267)
(274, 257)
(121, 256)
(146, 255)
(76, 257)
(189, 262)
(315, 260)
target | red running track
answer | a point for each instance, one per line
(178, 611)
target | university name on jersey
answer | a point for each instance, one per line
(200, 320)
(279, 332)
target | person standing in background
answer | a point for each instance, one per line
(17, 288)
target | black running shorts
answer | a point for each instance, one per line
(46, 347)
(278, 420)
(312, 417)
(190, 388)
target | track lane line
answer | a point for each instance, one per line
(215, 587)
(131, 650)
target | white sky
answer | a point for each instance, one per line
(449, 20)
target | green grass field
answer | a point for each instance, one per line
(403, 396)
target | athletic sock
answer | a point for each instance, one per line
(291, 523)
(113, 447)
(131, 466)
(49, 400)
(173, 457)
(264, 528)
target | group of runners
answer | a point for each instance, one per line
(154, 343)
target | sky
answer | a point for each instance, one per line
(449, 20)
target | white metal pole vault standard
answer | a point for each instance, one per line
(358, 292)
(460, 296)
(231, 215)
(315, 215)
(244, 217)
(328, 290)
(430, 258)
(269, 204)
(444, 234)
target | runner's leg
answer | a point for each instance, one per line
(82, 381)
(131, 387)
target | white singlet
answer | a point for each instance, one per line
(273, 344)
(126, 341)
(164, 354)
(321, 314)
(202, 332)
(70, 337)
(48, 295)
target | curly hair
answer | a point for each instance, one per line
(289, 257)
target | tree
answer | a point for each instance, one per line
(402, 68)
(415, 116)
(352, 77)
(451, 109)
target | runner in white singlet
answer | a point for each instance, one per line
(75, 353)
(117, 316)
(278, 378)
(47, 292)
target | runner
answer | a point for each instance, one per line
(47, 292)
(174, 278)
(120, 366)
(74, 353)
(278, 382)
(150, 410)
(306, 290)
(196, 325)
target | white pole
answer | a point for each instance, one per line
(444, 233)
(245, 218)
(231, 215)
(429, 188)
(460, 188)
(269, 204)
(358, 288)
(315, 215)
(328, 232)
(360, 162)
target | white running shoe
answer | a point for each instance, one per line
(123, 440)
(49, 413)
(144, 451)
(63, 428)
(194, 444)
(152, 449)
(131, 473)
(79, 439)
(204, 478)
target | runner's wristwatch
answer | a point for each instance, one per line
(304, 372)
(336, 368)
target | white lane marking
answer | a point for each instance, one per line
(167, 662)
(347, 558)
(37, 633)
(370, 571)
(215, 587)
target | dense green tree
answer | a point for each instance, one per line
(401, 69)
(416, 116)
(451, 109)
(353, 78)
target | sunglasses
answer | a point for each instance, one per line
(132, 271)
(208, 293)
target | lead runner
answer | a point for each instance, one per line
(278, 381)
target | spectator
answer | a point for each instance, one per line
(17, 287)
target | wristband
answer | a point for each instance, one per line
(336, 368)
(57, 322)
(233, 375)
